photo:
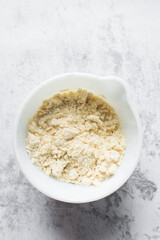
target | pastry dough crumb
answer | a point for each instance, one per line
(75, 136)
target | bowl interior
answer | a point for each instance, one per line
(116, 95)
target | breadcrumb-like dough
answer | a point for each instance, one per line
(75, 136)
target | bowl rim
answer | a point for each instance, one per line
(81, 74)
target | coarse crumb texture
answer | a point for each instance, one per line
(75, 136)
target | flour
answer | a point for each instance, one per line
(75, 136)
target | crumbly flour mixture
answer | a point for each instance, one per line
(75, 136)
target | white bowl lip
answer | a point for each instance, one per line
(131, 105)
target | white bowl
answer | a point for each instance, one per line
(117, 94)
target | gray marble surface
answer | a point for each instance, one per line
(39, 39)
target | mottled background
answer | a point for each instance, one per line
(42, 38)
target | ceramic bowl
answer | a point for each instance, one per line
(117, 94)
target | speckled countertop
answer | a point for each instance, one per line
(39, 39)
